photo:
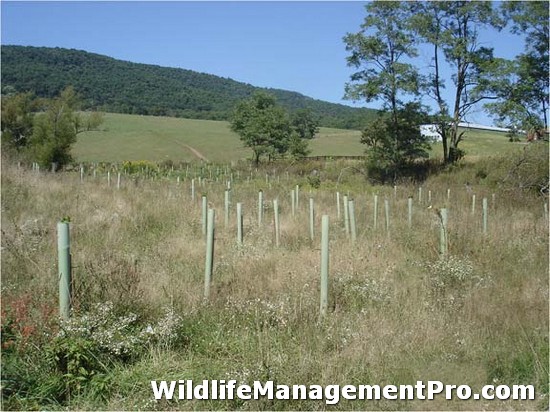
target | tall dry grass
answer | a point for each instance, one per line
(398, 312)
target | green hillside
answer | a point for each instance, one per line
(123, 87)
(131, 137)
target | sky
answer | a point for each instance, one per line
(287, 45)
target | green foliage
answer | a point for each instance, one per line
(394, 143)
(298, 148)
(382, 74)
(522, 362)
(17, 119)
(314, 181)
(54, 131)
(452, 29)
(393, 140)
(265, 127)
(77, 361)
(117, 86)
(45, 137)
(304, 123)
(524, 82)
(137, 166)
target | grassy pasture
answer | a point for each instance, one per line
(132, 137)
(398, 313)
(482, 143)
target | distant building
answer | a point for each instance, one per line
(430, 130)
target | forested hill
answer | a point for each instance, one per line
(119, 86)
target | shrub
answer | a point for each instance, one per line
(314, 181)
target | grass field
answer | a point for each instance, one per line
(130, 137)
(398, 311)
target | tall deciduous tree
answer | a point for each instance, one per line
(452, 28)
(523, 90)
(262, 125)
(380, 53)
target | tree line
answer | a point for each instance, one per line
(111, 85)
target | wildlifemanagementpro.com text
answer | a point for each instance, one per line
(332, 394)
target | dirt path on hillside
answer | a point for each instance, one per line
(190, 148)
(197, 153)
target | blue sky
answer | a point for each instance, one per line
(289, 45)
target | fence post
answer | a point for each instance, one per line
(193, 190)
(324, 265)
(297, 197)
(429, 197)
(209, 254)
(338, 205)
(81, 173)
(420, 195)
(64, 267)
(118, 181)
(109, 178)
(276, 217)
(240, 223)
(443, 232)
(311, 219)
(473, 204)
